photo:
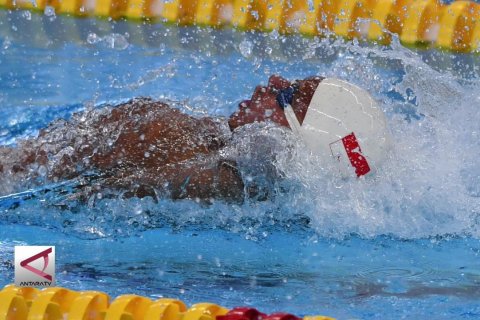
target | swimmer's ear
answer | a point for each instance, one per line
(277, 82)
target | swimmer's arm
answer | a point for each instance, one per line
(183, 181)
(138, 130)
(195, 180)
(220, 182)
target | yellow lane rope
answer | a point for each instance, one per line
(453, 27)
(56, 303)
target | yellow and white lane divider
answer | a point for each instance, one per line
(453, 27)
(56, 303)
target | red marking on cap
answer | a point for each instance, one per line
(358, 161)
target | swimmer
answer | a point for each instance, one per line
(147, 148)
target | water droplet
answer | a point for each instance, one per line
(49, 11)
(92, 38)
(27, 15)
(6, 43)
(116, 41)
(42, 171)
(246, 48)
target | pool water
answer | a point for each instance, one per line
(404, 244)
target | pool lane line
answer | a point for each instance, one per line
(56, 303)
(422, 23)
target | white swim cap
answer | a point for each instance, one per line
(345, 124)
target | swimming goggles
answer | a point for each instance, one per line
(285, 96)
(285, 99)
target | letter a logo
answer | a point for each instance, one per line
(44, 254)
(34, 266)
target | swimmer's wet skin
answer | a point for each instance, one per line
(142, 147)
(146, 148)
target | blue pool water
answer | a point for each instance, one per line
(402, 245)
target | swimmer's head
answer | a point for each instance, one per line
(264, 105)
(343, 121)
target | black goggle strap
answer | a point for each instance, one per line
(284, 99)
(285, 96)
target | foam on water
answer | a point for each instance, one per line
(428, 187)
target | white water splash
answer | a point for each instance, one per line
(428, 187)
(114, 41)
